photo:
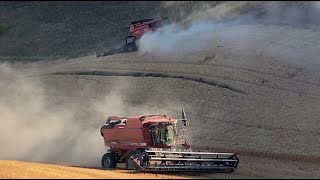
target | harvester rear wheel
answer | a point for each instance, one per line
(109, 160)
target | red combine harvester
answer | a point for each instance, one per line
(136, 30)
(155, 143)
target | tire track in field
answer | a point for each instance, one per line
(180, 75)
(151, 74)
(166, 68)
(206, 59)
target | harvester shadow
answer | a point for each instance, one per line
(99, 168)
(195, 174)
(181, 173)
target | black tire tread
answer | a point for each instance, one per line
(113, 160)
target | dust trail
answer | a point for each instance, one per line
(36, 126)
(298, 13)
(172, 39)
(284, 30)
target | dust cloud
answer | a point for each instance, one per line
(33, 131)
(33, 128)
(288, 30)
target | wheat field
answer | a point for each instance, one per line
(29, 170)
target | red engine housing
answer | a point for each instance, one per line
(140, 27)
(136, 132)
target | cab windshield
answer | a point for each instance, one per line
(164, 134)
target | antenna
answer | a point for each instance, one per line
(183, 114)
(184, 118)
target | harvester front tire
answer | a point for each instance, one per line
(109, 160)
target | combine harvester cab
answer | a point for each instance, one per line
(155, 143)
